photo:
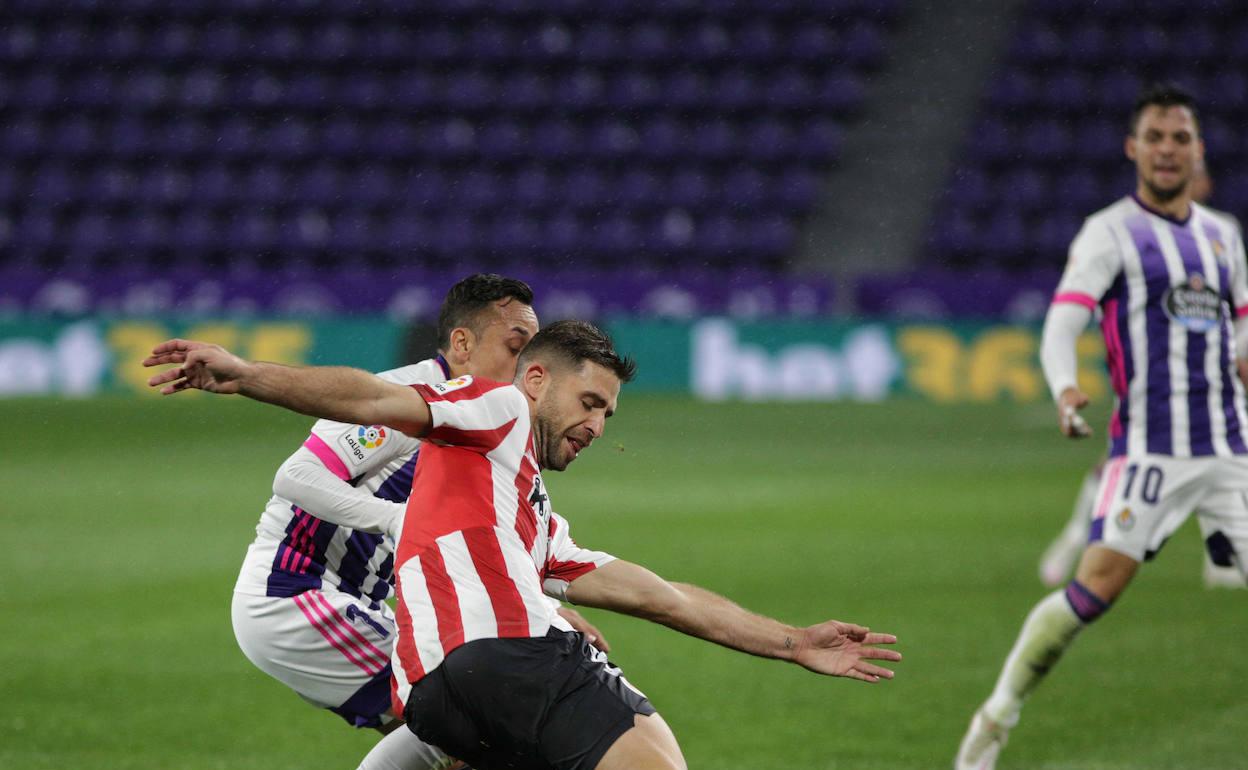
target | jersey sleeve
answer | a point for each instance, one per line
(1239, 273)
(473, 413)
(566, 561)
(351, 451)
(1091, 267)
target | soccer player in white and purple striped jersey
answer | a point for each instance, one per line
(309, 606)
(1169, 278)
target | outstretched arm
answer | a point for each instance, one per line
(831, 647)
(330, 392)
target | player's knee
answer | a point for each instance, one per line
(649, 745)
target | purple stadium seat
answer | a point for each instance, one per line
(425, 188)
(689, 187)
(611, 139)
(53, 184)
(532, 187)
(556, 139)
(76, 135)
(470, 91)
(503, 140)
(819, 141)
(796, 189)
(564, 233)
(789, 89)
(736, 89)
(1046, 140)
(584, 188)
(639, 188)
(813, 43)
(633, 90)
(769, 140)
(1025, 189)
(524, 91)
(580, 89)
(715, 140)
(662, 138)
(476, 190)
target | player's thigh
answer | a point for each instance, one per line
(649, 745)
(329, 647)
(1143, 500)
(1223, 514)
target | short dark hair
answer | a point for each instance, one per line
(573, 342)
(1161, 95)
(466, 299)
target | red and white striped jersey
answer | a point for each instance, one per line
(480, 546)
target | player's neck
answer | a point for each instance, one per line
(1178, 208)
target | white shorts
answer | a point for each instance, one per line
(1143, 500)
(327, 646)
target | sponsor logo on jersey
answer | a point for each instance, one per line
(1218, 248)
(455, 384)
(1193, 305)
(1125, 519)
(371, 436)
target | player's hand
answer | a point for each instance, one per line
(1069, 421)
(592, 635)
(202, 366)
(845, 649)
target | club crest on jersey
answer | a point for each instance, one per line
(455, 384)
(540, 500)
(1218, 248)
(356, 442)
(1193, 305)
(1125, 519)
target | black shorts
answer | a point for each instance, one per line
(551, 702)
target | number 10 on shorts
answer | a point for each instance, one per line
(1151, 478)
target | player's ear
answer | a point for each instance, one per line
(534, 379)
(1128, 146)
(463, 342)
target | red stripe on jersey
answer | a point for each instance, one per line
(487, 557)
(405, 646)
(461, 483)
(478, 387)
(481, 440)
(396, 705)
(566, 571)
(445, 600)
(526, 518)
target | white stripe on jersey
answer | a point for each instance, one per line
(1180, 420)
(475, 608)
(414, 594)
(1213, 353)
(540, 612)
(1137, 298)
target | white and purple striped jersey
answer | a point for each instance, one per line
(1169, 292)
(296, 550)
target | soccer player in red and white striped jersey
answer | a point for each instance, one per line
(484, 668)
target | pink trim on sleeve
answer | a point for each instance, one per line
(1075, 298)
(1240, 312)
(327, 456)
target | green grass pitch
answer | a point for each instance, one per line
(125, 522)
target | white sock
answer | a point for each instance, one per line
(1076, 530)
(1046, 634)
(402, 750)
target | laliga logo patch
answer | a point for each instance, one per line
(371, 436)
(1125, 519)
(455, 384)
(1195, 305)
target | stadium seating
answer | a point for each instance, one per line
(650, 132)
(1046, 148)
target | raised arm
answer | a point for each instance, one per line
(832, 647)
(329, 392)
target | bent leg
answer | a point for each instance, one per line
(648, 745)
(402, 750)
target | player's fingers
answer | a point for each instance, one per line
(860, 676)
(176, 387)
(872, 670)
(169, 375)
(854, 631)
(176, 357)
(879, 653)
(880, 639)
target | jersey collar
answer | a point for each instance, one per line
(1191, 207)
(443, 365)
